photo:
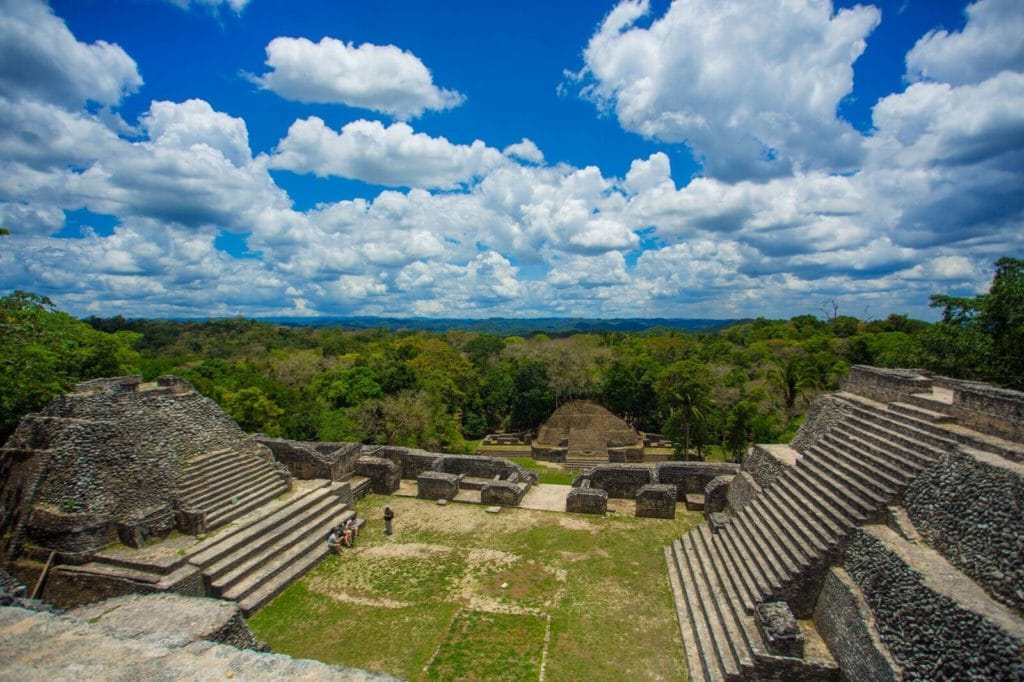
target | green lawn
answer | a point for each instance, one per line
(457, 593)
(546, 474)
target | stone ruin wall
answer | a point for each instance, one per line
(929, 634)
(970, 509)
(109, 452)
(979, 406)
(622, 481)
(307, 460)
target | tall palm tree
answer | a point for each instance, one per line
(791, 376)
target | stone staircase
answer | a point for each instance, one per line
(253, 564)
(778, 546)
(225, 484)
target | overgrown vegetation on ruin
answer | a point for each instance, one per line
(440, 391)
(458, 593)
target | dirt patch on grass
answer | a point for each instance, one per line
(402, 551)
(346, 598)
(573, 523)
(573, 557)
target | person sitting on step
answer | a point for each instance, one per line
(353, 527)
(335, 540)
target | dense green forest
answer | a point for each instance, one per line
(442, 390)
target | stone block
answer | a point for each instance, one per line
(741, 491)
(503, 493)
(157, 522)
(586, 500)
(435, 485)
(385, 475)
(190, 521)
(656, 500)
(779, 629)
(621, 481)
(715, 495)
(717, 521)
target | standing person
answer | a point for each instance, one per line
(388, 517)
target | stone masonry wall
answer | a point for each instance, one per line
(691, 477)
(825, 411)
(929, 634)
(763, 466)
(988, 409)
(307, 460)
(970, 508)
(848, 627)
(886, 385)
(619, 480)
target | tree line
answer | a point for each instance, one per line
(718, 392)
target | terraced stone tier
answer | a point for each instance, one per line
(253, 564)
(779, 544)
(226, 484)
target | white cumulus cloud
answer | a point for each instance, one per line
(40, 58)
(751, 87)
(394, 155)
(381, 78)
(992, 41)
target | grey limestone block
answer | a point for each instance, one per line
(587, 501)
(656, 500)
(435, 485)
(779, 629)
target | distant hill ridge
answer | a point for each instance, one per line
(510, 325)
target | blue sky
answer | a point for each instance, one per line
(702, 158)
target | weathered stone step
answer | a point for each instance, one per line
(987, 443)
(234, 487)
(771, 520)
(862, 473)
(782, 564)
(752, 586)
(211, 554)
(895, 475)
(898, 420)
(817, 495)
(819, 467)
(246, 559)
(248, 577)
(196, 487)
(764, 560)
(927, 400)
(698, 672)
(812, 524)
(811, 537)
(745, 640)
(859, 497)
(205, 460)
(908, 464)
(909, 437)
(221, 515)
(921, 413)
(715, 642)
